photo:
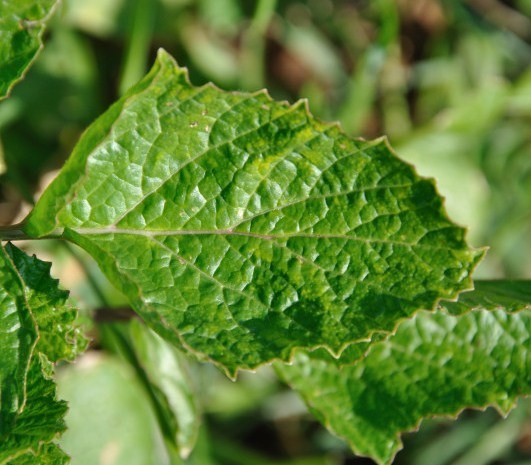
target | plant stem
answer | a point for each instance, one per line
(136, 57)
(13, 233)
(16, 232)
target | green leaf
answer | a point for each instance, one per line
(167, 374)
(35, 329)
(241, 228)
(22, 24)
(110, 418)
(512, 296)
(18, 336)
(48, 454)
(163, 373)
(435, 365)
(39, 421)
(58, 337)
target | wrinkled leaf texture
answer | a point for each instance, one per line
(241, 228)
(22, 23)
(36, 329)
(436, 364)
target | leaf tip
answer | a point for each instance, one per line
(164, 57)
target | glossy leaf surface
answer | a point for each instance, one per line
(36, 328)
(241, 228)
(436, 364)
(22, 23)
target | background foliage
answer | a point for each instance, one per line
(449, 82)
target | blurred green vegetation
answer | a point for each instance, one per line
(448, 81)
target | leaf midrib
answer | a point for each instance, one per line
(231, 232)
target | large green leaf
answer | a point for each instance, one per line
(241, 228)
(35, 329)
(22, 23)
(436, 364)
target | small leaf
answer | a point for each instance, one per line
(241, 228)
(35, 329)
(435, 365)
(22, 24)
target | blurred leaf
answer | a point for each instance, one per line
(355, 110)
(224, 15)
(110, 418)
(22, 24)
(226, 399)
(253, 46)
(315, 51)
(435, 365)
(202, 454)
(211, 54)
(141, 28)
(36, 327)
(512, 296)
(167, 374)
(98, 17)
(496, 441)
(227, 451)
(439, 153)
(520, 101)
(267, 219)
(443, 446)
